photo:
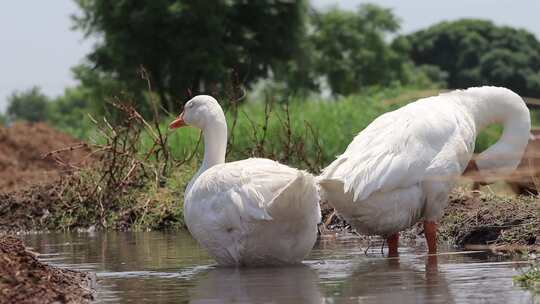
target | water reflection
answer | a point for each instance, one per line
(260, 285)
(156, 267)
(396, 280)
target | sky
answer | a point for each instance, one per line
(38, 47)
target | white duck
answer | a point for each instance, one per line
(251, 212)
(401, 168)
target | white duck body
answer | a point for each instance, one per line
(402, 167)
(252, 212)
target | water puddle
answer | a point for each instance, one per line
(157, 267)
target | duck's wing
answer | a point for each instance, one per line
(255, 189)
(394, 151)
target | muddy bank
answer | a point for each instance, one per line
(32, 209)
(23, 279)
(110, 186)
(506, 224)
(71, 203)
(22, 150)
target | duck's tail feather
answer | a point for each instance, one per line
(297, 200)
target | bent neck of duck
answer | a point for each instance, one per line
(490, 105)
(215, 147)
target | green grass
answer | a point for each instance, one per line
(530, 279)
(334, 124)
(73, 203)
(329, 124)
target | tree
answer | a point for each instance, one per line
(189, 45)
(96, 88)
(68, 112)
(30, 105)
(476, 52)
(352, 50)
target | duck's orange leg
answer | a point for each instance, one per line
(393, 241)
(430, 230)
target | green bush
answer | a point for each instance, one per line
(530, 279)
(477, 52)
(30, 105)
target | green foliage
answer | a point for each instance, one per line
(29, 105)
(69, 112)
(298, 76)
(476, 52)
(323, 127)
(530, 278)
(488, 137)
(190, 45)
(3, 119)
(328, 124)
(98, 87)
(352, 50)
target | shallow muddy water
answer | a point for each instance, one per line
(157, 267)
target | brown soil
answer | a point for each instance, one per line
(499, 223)
(23, 279)
(22, 150)
(28, 209)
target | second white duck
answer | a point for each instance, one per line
(401, 168)
(253, 212)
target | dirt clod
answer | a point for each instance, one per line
(23, 279)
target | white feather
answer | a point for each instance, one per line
(251, 212)
(261, 211)
(422, 146)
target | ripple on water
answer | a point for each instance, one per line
(152, 267)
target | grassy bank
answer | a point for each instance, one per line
(74, 202)
(530, 278)
(117, 183)
(138, 177)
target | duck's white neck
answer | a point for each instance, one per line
(489, 105)
(215, 146)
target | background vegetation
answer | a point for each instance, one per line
(476, 52)
(323, 75)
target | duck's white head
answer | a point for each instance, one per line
(202, 111)
(205, 113)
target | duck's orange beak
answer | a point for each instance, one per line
(178, 122)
